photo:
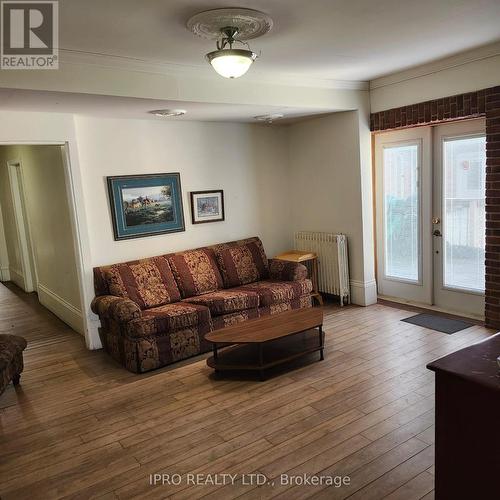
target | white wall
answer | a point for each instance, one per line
(4, 256)
(51, 232)
(58, 128)
(247, 161)
(117, 76)
(12, 251)
(328, 174)
(466, 72)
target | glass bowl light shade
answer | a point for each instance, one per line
(231, 63)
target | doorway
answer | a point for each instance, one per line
(430, 216)
(25, 276)
(37, 243)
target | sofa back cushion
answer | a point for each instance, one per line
(196, 272)
(148, 282)
(242, 262)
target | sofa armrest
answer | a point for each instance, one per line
(119, 309)
(283, 270)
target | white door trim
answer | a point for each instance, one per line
(16, 191)
(421, 290)
(79, 226)
(453, 299)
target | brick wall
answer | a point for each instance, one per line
(470, 105)
(492, 313)
(486, 103)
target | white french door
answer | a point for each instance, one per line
(459, 216)
(430, 215)
(404, 244)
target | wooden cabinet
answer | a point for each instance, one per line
(468, 423)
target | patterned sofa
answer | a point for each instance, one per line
(156, 311)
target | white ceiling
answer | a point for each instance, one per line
(127, 107)
(326, 39)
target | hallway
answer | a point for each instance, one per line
(22, 314)
(52, 345)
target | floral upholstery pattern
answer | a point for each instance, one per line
(117, 308)
(145, 325)
(281, 270)
(226, 301)
(147, 282)
(143, 353)
(185, 343)
(276, 292)
(148, 353)
(242, 263)
(196, 272)
(226, 320)
(168, 318)
(11, 359)
(301, 303)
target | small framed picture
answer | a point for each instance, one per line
(145, 205)
(207, 206)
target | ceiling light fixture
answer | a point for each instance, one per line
(229, 62)
(167, 112)
(269, 118)
(227, 27)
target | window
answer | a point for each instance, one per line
(401, 212)
(464, 171)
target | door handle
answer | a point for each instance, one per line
(436, 232)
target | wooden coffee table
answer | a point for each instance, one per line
(286, 336)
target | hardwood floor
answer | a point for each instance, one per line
(79, 426)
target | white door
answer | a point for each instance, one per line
(430, 209)
(26, 279)
(459, 216)
(403, 185)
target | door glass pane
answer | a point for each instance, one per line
(401, 212)
(464, 215)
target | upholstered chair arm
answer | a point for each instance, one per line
(117, 308)
(286, 271)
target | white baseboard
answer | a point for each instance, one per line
(4, 273)
(363, 293)
(397, 300)
(61, 308)
(17, 277)
(93, 340)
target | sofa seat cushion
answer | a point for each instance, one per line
(225, 320)
(242, 263)
(167, 318)
(277, 292)
(301, 303)
(196, 272)
(147, 282)
(226, 301)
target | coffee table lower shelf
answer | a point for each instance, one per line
(264, 355)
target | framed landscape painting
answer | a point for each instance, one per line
(207, 206)
(145, 205)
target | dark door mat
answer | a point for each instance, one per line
(438, 323)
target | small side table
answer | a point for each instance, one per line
(301, 257)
